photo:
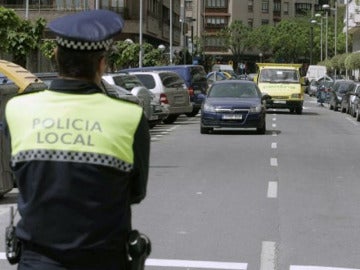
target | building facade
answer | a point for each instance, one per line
(210, 16)
(191, 24)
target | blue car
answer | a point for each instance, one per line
(234, 104)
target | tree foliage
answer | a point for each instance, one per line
(237, 38)
(290, 42)
(352, 61)
(19, 37)
(261, 36)
(125, 54)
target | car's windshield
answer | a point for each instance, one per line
(234, 90)
(279, 75)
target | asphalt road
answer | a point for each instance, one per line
(287, 200)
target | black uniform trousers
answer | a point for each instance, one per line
(33, 260)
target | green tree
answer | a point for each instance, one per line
(290, 41)
(19, 37)
(9, 21)
(47, 48)
(125, 54)
(236, 37)
(260, 38)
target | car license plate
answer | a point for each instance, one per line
(280, 101)
(232, 116)
(197, 92)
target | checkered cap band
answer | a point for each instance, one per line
(84, 45)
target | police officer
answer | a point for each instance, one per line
(80, 157)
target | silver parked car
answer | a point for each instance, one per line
(170, 89)
(153, 110)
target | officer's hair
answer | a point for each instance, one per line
(78, 64)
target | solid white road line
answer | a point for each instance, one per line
(273, 162)
(196, 264)
(268, 256)
(272, 189)
(310, 267)
(274, 145)
(352, 121)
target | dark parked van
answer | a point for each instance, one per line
(194, 77)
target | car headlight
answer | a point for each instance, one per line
(209, 108)
(255, 109)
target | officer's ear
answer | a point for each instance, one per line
(56, 54)
(102, 65)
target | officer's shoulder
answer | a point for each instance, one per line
(28, 92)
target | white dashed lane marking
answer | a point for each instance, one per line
(268, 256)
(273, 162)
(310, 267)
(272, 189)
(196, 264)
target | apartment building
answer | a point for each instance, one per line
(157, 15)
(210, 16)
(194, 28)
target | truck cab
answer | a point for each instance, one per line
(283, 83)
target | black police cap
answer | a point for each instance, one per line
(88, 30)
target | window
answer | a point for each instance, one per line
(214, 42)
(277, 6)
(108, 3)
(216, 22)
(251, 23)
(251, 5)
(265, 6)
(216, 3)
(147, 80)
(188, 4)
(286, 8)
(264, 22)
(78, 4)
(153, 7)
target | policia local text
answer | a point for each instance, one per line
(67, 131)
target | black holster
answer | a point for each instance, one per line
(139, 248)
(12, 245)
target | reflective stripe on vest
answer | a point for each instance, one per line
(92, 129)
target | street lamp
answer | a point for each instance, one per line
(335, 31)
(347, 34)
(141, 34)
(260, 56)
(312, 22)
(321, 35)
(326, 8)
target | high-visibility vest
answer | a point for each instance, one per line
(86, 128)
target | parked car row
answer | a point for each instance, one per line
(341, 94)
(194, 77)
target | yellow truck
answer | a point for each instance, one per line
(283, 83)
(14, 80)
